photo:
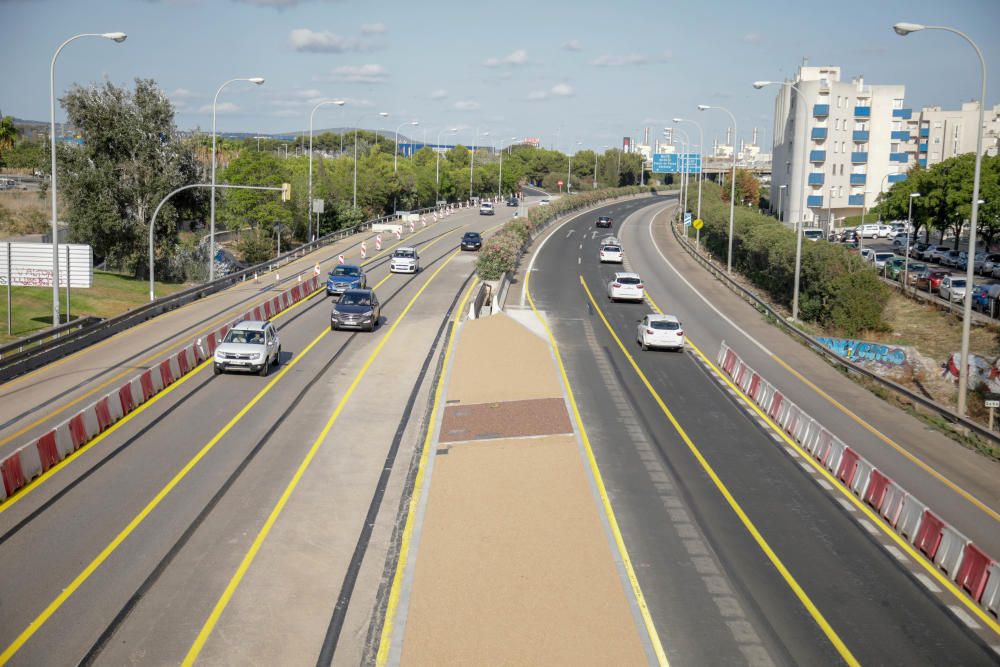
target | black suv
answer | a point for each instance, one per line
(604, 221)
(472, 241)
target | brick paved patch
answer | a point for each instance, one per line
(507, 419)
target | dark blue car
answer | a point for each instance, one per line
(345, 277)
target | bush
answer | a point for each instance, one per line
(256, 248)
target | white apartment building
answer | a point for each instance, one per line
(936, 135)
(834, 145)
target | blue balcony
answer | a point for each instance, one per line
(814, 200)
(862, 112)
(905, 114)
(859, 179)
(819, 133)
(855, 200)
(900, 135)
(817, 156)
(925, 132)
(860, 135)
(922, 162)
(899, 157)
(859, 157)
(821, 110)
(897, 178)
(817, 178)
(922, 147)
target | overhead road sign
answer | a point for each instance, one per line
(676, 163)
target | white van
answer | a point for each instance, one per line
(869, 230)
(812, 233)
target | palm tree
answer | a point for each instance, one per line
(8, 133)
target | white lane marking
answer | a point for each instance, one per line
(805, 466)
(963, 616)
(593, 234)
(580, 247)
(578, 260)
(846, 504)
(872, 530)
(926, 581)
(825, 484)
(570, 233)
(897, 554)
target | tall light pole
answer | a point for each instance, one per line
(569, 169)
(904, 29)
(701, 154)
(114, 37)
(906, 261)
(437, 167)
(338, 103)
(395, 152)
(472, 160)
(781, 191)
(256, 80)
(732, 188)
(354, 201)
(682, 165)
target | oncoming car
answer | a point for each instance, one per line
(486, 208)
(357, 309)
(660, 331)
(251, 346)
(472, 241)
(404, 260)
(345, 277)
(626, 286)
(611, 254)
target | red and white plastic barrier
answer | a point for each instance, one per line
(969, 567)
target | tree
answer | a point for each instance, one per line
(129, 161)
(747, 188)
(8, 135)
(255, 208)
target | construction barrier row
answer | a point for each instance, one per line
(962, 561)
(36, 457)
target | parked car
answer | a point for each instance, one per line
(866, 254)
(626, 286)
(990, 262)
(934, 279)
(357, 309)
(611, 254)
(894, 267)
(884, 230)
(345, 277)
(604, 221)
(472, 241)
(849, 236)
(868, 230)
(486, 208)
(952, 259)
(936, 253)
(880, 258)
(812, 234)
(915, 270)
(656, 330)
(952, 288)
(251, 345)
(900, 240)
(404, 260)
(981, 298)
(545, 202)
(917, 251)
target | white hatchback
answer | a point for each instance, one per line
(626, 286)
(404, 260)
(660, 331)
(611, 254)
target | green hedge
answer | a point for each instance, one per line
(838, 290)
(501, 251)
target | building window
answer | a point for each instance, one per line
(841, 170)
(937, 125)
(897, 103)
(937, 140)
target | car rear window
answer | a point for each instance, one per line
(611, 248)
(629, 281)
(883, 255)
(664, 325)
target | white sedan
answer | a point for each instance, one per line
(660, 331)
(626, 286)
(611, 254)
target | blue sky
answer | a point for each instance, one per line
(567, 72)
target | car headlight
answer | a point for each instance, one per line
(256, 355)
(368, 315)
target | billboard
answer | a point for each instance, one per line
(675, 163)
(30, 264)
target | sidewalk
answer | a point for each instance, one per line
(512, 560)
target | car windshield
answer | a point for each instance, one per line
(404, 254)
(665, 325)
(243, 336)
(471, 236)
(355, 299)
(629, 281)
(611, 248)
(346, 271)
(958, 282)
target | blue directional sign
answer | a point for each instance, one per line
(676, 163)
(687, 219)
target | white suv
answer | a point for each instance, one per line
(251, 346)
(486, 208)
(404, 260)
(626, 286)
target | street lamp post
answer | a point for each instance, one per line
(701, 154)
(395, 152)
(732, 186)
(683, 165)
(904, 29)
(781, 192)
(256, 80)
(338, 103)
(906, 261)
(354, 201)
(114, 37)
(437, 167)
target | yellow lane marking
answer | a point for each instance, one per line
(151, 505)
(647, 619)
(234, 583)
(799, 592)
(837, 484)
(385, 638)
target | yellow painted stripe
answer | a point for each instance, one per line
(248, 559)
(150, 506)
(799, 592)
(647, 619)
(844, 492)
(385, 638)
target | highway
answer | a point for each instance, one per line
(231, 520)
(740, 553)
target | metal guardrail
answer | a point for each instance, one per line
(42, 348)
(835, 359)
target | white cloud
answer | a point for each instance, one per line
(619, 61)
(466, 105)
(514, 58)
(225, 107)
(286, 113)
(572, 45)
(181, 94)
(537, 95)
(307, 94)
(360, 74)
(439, 94)
(562, 90)
(304, 39)
(752, 38)
(373, 28)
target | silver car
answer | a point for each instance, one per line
(404, 260)
(250, 346)
(952, 288)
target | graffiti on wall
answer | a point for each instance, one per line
(860, 351)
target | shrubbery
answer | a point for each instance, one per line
(837, 289)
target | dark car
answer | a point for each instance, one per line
(604, 221)
(345, 277)
(849, 236)
(513, 202)
(917, 251)
(934, 279)
(357, 309)
(472, 241)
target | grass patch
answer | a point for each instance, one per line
(933, 332)
(112, 294)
